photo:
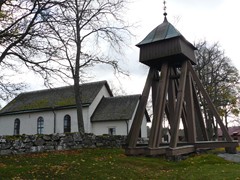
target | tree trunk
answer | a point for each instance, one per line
(226, 120)
(77, 92)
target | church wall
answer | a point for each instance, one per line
(102, 93)
(100, 128)
(143, 126)
(28, 123)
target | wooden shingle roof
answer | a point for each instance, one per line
(162, 32)
(56, 98)
(115, 108)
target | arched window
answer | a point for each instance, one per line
(40, 125)
(67, 123)
(17, 127)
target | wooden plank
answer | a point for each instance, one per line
(155, 84)
(184, 114)
(176, 86)
(184, 121)
(180, 150)
(190, 110)
(137, 121)
(159, 107)
(171, 98)
(146, 151)
(179, 105)
(210, 104)
(216, 144)
(199, 114)
(156, 151)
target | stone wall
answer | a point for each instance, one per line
(40, 143)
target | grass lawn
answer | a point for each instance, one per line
(113, 164)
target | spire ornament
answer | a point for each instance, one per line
(164, 8)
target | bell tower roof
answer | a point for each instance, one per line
(165, 44)
(162, 32)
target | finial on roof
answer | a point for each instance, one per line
(165, 8)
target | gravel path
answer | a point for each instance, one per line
(231, 157)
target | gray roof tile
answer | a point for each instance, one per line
(53, 98)
(115, 108)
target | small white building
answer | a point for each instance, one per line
(54, 111)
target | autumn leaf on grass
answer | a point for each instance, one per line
(2, 165)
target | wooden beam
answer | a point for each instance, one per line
(184, 121)
(190, 110)
(145, 151)
(159, 107)
(155, 84)
(137, 121)
(180, 150)
(199, 115)
(210, 104)
(156, 151)
(216, 144)
(184, 114)
(171, 98)
(179, 105)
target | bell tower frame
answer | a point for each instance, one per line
(175, 89)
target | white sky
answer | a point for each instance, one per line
(213, 20)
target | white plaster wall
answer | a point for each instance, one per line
(100, 128)
(7, 125)
(28, 123)
(60, 118)
(143, 126)
(73, 114)
(102, 93)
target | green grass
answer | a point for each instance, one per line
(113, 164)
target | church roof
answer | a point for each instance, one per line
(62, 97)
(115, 108)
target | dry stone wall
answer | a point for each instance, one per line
(40, 143)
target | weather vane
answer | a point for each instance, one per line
(164, 8)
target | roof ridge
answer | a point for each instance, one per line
(42, 90)
(62, 87)
(122, 96)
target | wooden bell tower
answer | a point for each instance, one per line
(176, 90)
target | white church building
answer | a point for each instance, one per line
(54, 111)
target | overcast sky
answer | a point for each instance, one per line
(213, 20)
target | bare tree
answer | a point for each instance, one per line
(21, 40)
(80, 32)
(8, 88)
(221, 80)
(117, 90)
(61, 39)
